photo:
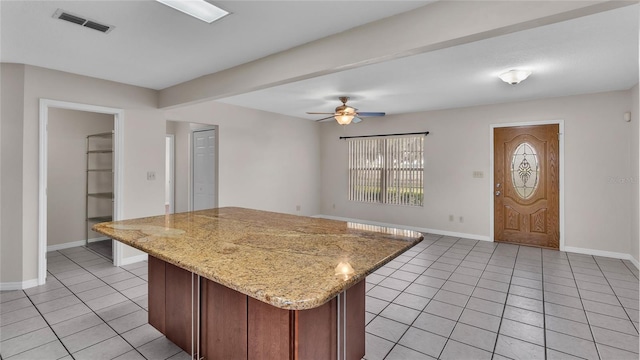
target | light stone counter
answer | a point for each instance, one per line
(290, 262)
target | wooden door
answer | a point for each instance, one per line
(526, 185)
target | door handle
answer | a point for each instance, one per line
(498, 193)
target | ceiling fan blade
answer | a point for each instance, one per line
(319, 113)
(371, 113)
(356, 120)
(324, 119)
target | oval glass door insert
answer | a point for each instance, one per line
(525, 170)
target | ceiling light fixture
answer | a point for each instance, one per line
(514, 76)
(344, 114)
(199, 9)
(344, 118)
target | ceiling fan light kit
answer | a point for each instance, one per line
(514, 77)
(345, 114)
(344, 119)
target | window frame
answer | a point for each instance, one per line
(362, 150)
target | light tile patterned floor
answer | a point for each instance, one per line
(446, 298)
(88, 309)
(451, 298)
(102, 247)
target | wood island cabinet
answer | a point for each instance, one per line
(231, 325)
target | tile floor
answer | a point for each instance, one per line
(451, 298)
(88, 309)
(102, 247)
(445, 298)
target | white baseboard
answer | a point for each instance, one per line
(422, 230)
(73, 244)
(134, 259)
(609, 254)
(19, 285)
(578, 250)
(65, 245)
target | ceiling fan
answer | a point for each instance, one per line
(345, 114)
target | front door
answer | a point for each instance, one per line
(526, 185)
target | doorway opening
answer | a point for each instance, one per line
(184, 163)
(71, 126)
(527, 183)
(169, 189)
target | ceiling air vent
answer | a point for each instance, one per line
(95, 26)
(66, 16)
(71, 18)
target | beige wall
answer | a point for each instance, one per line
(144, 130)
(11, 130)
(266, 161)
(66, 172)
(635, 174)
(269, 161)
(597, 212)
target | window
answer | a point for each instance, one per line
(388, 170)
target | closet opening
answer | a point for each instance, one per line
(80, 183)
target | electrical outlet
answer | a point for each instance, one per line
(334, 206)
(297, 207)
(461, 219)
(450, 217)
(151, 175)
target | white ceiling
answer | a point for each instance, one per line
(591, 54)
(156, 47)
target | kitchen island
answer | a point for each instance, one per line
(234, 283)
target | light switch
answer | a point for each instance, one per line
(478, 174)
(151, 175)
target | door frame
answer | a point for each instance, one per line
(560, 124)
(172, 172)
(191, 168)
(118, 156)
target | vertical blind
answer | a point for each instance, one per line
(387, 170)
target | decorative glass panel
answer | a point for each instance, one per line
(525, 170)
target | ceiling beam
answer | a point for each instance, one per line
(432, 27)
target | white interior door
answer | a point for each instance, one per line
(204, 164)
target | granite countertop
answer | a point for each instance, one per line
(291, 262)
